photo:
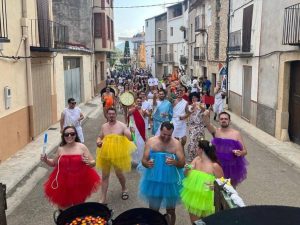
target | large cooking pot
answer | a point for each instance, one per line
(85, 209)
(142, 216)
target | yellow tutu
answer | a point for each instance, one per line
(115, 152)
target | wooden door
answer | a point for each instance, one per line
(294, 103)
(246, 98)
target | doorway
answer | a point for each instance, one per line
(246, 98)
(294, 103)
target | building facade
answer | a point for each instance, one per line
(104, 40)
(264, 64)
(161, 45)
(150, 44)
(176, 37)
(47, 51)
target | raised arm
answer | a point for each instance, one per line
(211, 128)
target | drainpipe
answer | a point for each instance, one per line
(227, 52)
(24, 24)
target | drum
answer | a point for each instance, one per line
(127, 98)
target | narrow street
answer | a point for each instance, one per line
(270, 181)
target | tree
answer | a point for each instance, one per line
(126, 53)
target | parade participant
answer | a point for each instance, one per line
(108, 99)
(161, 181)
(146, 105)
(72, 116)
(230, 148)
(73, 167)
(137, 125)
(197, 194)
(163, 111)
(196, 126)
(114, 150)
(218, 105)
(180, 113)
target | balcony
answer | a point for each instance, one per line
(159, 58)
(235, 44)
(183, 60)
(47, 36)
(199, 53)
(200, 23)
(291, 27)
(170, 57)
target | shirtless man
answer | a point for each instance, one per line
(163, 157)
(230, 148)
(114, 150)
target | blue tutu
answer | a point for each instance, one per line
(160, 186)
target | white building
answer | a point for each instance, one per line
(244, 44)
(150, 44)
(176, 35)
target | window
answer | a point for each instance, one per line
(171, 31)
(152, 52)
(112, 30)
(97, 25)
(191, 32)
(102, 4)
(147, 24)
(108, 28)
(247, 29)
(159, 35)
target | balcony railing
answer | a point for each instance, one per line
(183, 60)
(159, 58)
(200, 23)
(291, 27)
(170, 57)
(47, 35)
(199, 53)
(235, 44)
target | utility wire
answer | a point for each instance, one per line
(136, 6)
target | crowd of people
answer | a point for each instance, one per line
(153, 139)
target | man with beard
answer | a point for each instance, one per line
(138, 127)
(114, 150)
(230, 148)
(161, 180)
(163, 111)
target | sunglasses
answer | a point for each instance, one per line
(73, 103)
(68, 134)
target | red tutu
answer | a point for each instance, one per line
(71, 182)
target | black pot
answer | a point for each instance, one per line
(142, 216)
(85, 209)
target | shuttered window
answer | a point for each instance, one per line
(103, 4)
(97, 25)
(103, 30)
(247, 26)
(112, 30)
(108, 27)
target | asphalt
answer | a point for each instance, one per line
(19, 166)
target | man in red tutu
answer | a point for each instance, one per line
(73, 167)
(114, 151)
(230, 148)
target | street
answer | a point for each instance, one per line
(270, 181)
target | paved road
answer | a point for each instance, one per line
(270, 181)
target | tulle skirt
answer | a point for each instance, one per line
(196, 195)
(160, 186)
(71, 182)
(234, 167)
(115, 152)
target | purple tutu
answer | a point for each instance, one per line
(234, 167)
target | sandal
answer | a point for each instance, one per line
(125, 195)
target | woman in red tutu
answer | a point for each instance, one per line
(73, 178)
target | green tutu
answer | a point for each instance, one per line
(196, 195)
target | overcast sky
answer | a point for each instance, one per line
(131, 21)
